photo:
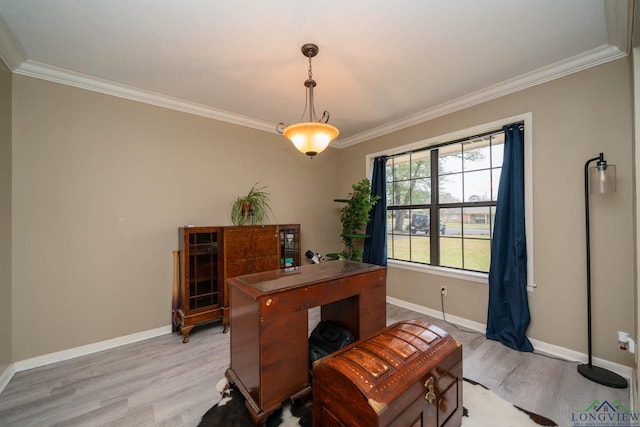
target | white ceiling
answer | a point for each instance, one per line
(383, 65)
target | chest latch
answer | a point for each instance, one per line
(430, 396)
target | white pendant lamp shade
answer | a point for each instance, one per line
(313, 136)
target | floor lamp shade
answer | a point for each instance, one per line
(600, 179)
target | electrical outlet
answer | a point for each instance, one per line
(626, 343)
(443, 291)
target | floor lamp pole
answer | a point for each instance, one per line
(595, 373)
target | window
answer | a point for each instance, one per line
(441, 202)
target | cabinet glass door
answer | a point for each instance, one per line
(203, 270)
(289, 247)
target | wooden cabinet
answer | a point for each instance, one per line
(211, 255)
(201, 295)
(251, 249)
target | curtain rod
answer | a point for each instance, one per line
(468, 138)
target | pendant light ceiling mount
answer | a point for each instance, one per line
(313, 136)
(310, 50)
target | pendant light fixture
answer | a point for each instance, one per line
(313, 136)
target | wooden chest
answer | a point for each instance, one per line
(408, 374)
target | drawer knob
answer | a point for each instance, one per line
(430, 396)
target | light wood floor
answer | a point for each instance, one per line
(162, 382)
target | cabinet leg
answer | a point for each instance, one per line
(225, 324)
(185, 333)
(175, 327)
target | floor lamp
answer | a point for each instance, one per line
(600, 178)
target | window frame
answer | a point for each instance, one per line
(527, 119)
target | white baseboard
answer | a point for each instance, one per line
(540, 346)
(460, 321)
(72, 353)
(6, 376)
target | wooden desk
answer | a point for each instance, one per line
(269, 324)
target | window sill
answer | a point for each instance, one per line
(441, 271)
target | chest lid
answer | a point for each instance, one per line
(385, 365)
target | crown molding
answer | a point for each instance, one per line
(11, 52)
(71, 78)
(619, 19)
(13, 55)
(592, 58)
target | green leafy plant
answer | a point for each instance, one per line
(354, 217)
(251, 209)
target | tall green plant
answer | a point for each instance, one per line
(251, 209)
(354, 216)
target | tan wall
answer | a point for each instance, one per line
(5, 217)
(101, 185)
(574, 118)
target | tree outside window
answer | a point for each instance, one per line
(441, 202)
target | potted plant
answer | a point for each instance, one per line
(251, 209)
(354, 216)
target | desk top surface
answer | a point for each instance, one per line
(277, 280)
